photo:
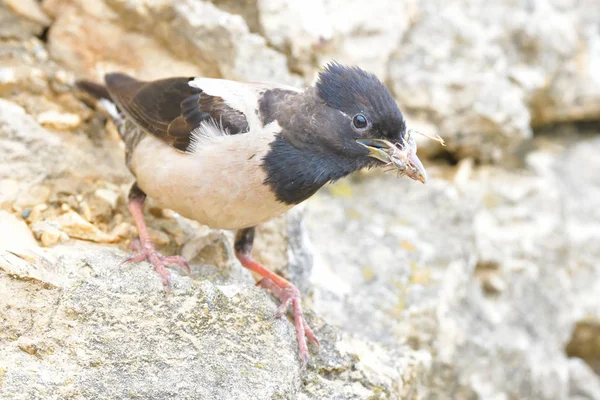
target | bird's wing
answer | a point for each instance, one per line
(173, 109)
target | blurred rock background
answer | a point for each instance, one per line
(482, 284)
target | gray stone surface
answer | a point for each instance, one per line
(489, 272)
(21, 19)
(78, 324)
(191, 37)
(483, 72)
(109, 331)
(583, 384)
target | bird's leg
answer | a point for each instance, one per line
(145, 248)
(288, 294)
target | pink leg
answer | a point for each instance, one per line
(288, 294)
(145, 248)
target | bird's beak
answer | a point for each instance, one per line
(378, 148)
(402, 158)
(417, 171)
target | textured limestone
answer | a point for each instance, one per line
(60, 161)
(31, 79)
(15, 234)
(490, 273)
(483, 73)
(21, 19)
(77, 324)
(154, 39)
(107, 330)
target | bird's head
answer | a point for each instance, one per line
(347, 121)
(362, 121)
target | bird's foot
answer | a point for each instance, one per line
(146, 250)
(289, 295)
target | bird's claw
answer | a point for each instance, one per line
(147, 251)
(290, 296)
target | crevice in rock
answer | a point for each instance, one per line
(445, 156)
(589, 126)
(585, 343)
(44, 35)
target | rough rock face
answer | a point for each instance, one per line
(153, 39)
(489, 272)
(77, 324)
(98, 329)
(483, 73)
(482, 284)
(21, 19)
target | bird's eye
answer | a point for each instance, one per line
(359, 121)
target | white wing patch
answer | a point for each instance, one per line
(208, 132)
(240, 96)
(236, 95)
(112, 110)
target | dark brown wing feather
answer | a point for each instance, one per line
(171, 109)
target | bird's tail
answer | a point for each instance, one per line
(95, 89)
(105, 102)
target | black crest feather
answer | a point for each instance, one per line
(341, 86)
(353, 90)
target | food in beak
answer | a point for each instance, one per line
(402, 156)
(416, 169)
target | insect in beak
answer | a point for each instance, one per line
(402, 156)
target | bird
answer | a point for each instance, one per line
(232, 155)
